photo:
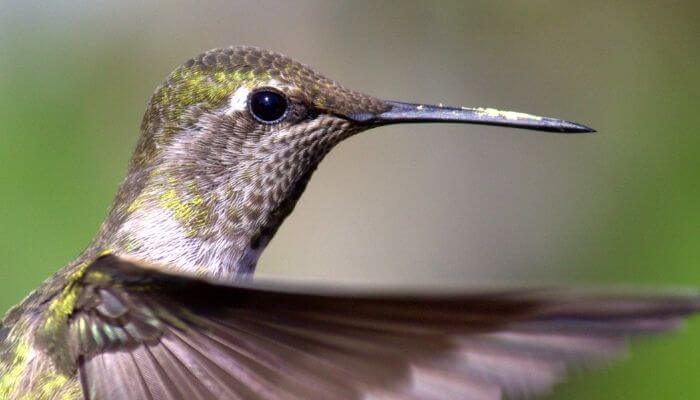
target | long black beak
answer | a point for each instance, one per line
(399, 112)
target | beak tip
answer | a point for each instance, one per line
(572, 127)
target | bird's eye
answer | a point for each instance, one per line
(268, 106)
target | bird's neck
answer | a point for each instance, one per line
(206, 201)
(213, 228)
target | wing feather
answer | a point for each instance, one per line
(142, 334)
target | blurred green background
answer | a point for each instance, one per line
(433, 205)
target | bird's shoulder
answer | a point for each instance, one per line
(27, 369)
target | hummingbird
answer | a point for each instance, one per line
(161, 304)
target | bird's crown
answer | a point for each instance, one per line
(207, 81)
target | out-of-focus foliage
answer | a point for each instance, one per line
(418, 205)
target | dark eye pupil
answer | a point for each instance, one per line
(268, 106)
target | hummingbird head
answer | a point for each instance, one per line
(228, 144)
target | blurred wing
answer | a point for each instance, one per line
(140, 334)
